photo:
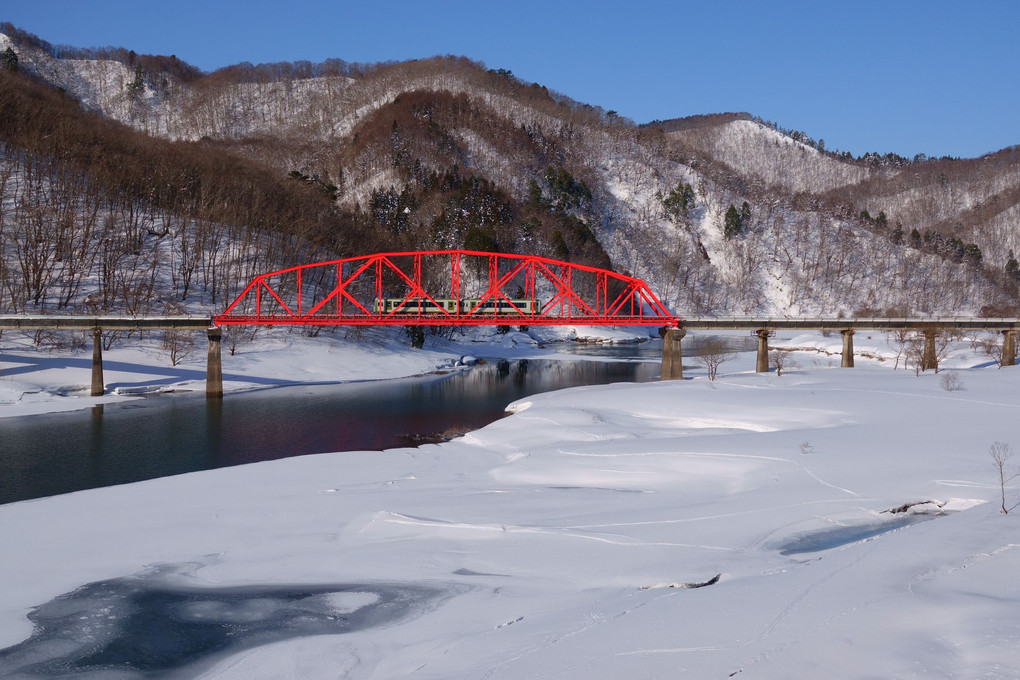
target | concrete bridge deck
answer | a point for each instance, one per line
(84, 322)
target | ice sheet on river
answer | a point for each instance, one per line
(156, 625)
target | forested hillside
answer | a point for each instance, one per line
(134, 183)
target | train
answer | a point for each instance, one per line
(447, 306)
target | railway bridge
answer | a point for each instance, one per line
(463, 287)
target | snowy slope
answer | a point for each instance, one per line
(772, 158)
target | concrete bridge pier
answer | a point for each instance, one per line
(672, 356)
(848, 348)
(97, 362)
(929, 359)
(762, 365)
(214, 365)
(1008, 348)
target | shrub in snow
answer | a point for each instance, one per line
(950, 381)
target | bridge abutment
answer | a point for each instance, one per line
(214, 365)
(97, 363)
(848, 348)
(762, 364)
(672, 355)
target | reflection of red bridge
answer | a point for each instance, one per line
(444, 288)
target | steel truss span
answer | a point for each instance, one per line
(446, 288)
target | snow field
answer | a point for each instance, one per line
(572, 533)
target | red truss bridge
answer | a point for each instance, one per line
(446, 288)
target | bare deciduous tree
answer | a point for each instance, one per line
(781, 360)
(898, 339)
(989, 344)
(179, 343)
(1001, 453)
(915, 348)
(712, 354)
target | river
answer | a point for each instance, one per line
(57, 453)
(45, 455)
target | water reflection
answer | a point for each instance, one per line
(58, 453)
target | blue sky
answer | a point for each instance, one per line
(909, 76)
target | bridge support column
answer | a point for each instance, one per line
(214, 366)
(97, 362)
(762, 365)
(1008, 348)
(672, 356)
(929, 359)
(848, 348)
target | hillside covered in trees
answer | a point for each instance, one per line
(137, 183)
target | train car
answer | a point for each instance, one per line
(445, 306)
(415, 307)
(492, 306)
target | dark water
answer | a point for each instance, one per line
(151, 626)
(58, 453)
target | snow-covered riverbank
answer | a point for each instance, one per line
(566, 539)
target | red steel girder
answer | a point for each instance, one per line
(554, 293)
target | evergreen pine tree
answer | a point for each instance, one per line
(745, 216)
(137, 85)
(9, 60)
(731, 223)
(535, 195)
(415, 336)
(1012, 266)
(680, 202)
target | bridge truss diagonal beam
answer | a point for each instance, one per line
(446, 287)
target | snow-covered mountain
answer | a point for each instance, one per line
(429, 153)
